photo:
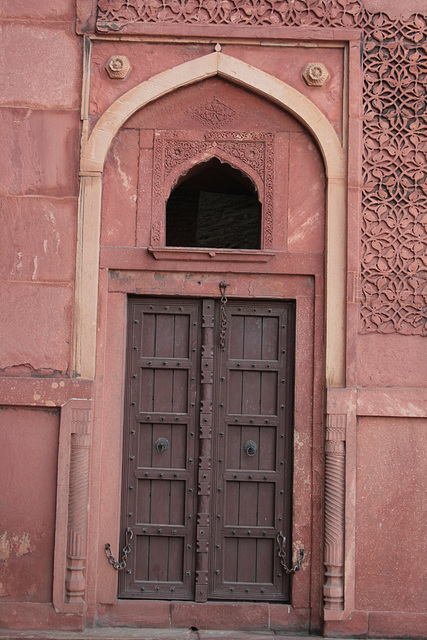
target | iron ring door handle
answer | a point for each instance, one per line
(250, 447)
(162, 444)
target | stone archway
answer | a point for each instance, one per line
(94, 151)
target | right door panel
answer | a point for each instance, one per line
(252, 457)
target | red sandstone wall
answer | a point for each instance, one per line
(39, 133)
(28, 461)
(39, 130)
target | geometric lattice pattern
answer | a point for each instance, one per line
(394, 215)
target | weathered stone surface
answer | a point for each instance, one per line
(306, 193)
(37, 242)
(40, 65)
(39, 152)
(38, 10)
(29, 440)
(390, 514)
(391, 360)
(218, 615)
(118, 226)
(43, 316)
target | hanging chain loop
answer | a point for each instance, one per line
(281, 543)
(223, 324)
(119, 566)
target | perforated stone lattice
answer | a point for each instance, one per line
(393, 292)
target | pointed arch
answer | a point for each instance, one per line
(93, 155)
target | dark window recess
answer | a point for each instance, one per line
(214, 205)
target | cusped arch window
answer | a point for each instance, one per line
(214, 206)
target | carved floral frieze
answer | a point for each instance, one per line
(394, 216)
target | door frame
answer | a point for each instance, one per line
(306, 291)
(207, 454)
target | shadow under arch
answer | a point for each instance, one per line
(214, 204)
(93, 154)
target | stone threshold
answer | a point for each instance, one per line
(154, 634)
(149, 634)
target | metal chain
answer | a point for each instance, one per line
(281, 542)
(223, 324)
(119, 566)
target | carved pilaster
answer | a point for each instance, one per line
(204, 484)
(333, 589)
(78, 504)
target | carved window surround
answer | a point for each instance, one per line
(175, 154)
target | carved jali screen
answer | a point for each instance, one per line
(394, 222)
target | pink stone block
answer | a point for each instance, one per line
(218, 615)
(41, 64)
(390, 514)
(150, 614)
(38, 10)
(306, 203)
(120, 191)
(38, 239)
(36, 328)
(285, 618)
(391, 360)
(39, 152)
(356, 625)
(28, 457)
(398, 625)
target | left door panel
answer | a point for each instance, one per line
(159, 470)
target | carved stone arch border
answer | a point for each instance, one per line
(94, 152)
(166, 185)
(339, 482)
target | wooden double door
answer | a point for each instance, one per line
(207, 449)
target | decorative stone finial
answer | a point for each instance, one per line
(315, 74)
(217, 47)
(118, 67)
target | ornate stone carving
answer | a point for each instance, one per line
(117, 14)
(315, 74)
(213, 114)
(394, 227)
(118, 67)
(333, 590)
(253, 149)
(205, 458)
(77, 504)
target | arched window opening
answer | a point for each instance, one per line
(214, 205)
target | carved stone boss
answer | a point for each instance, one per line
(333, 589)
(251, 152)
(205, 459)
(78, 504)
